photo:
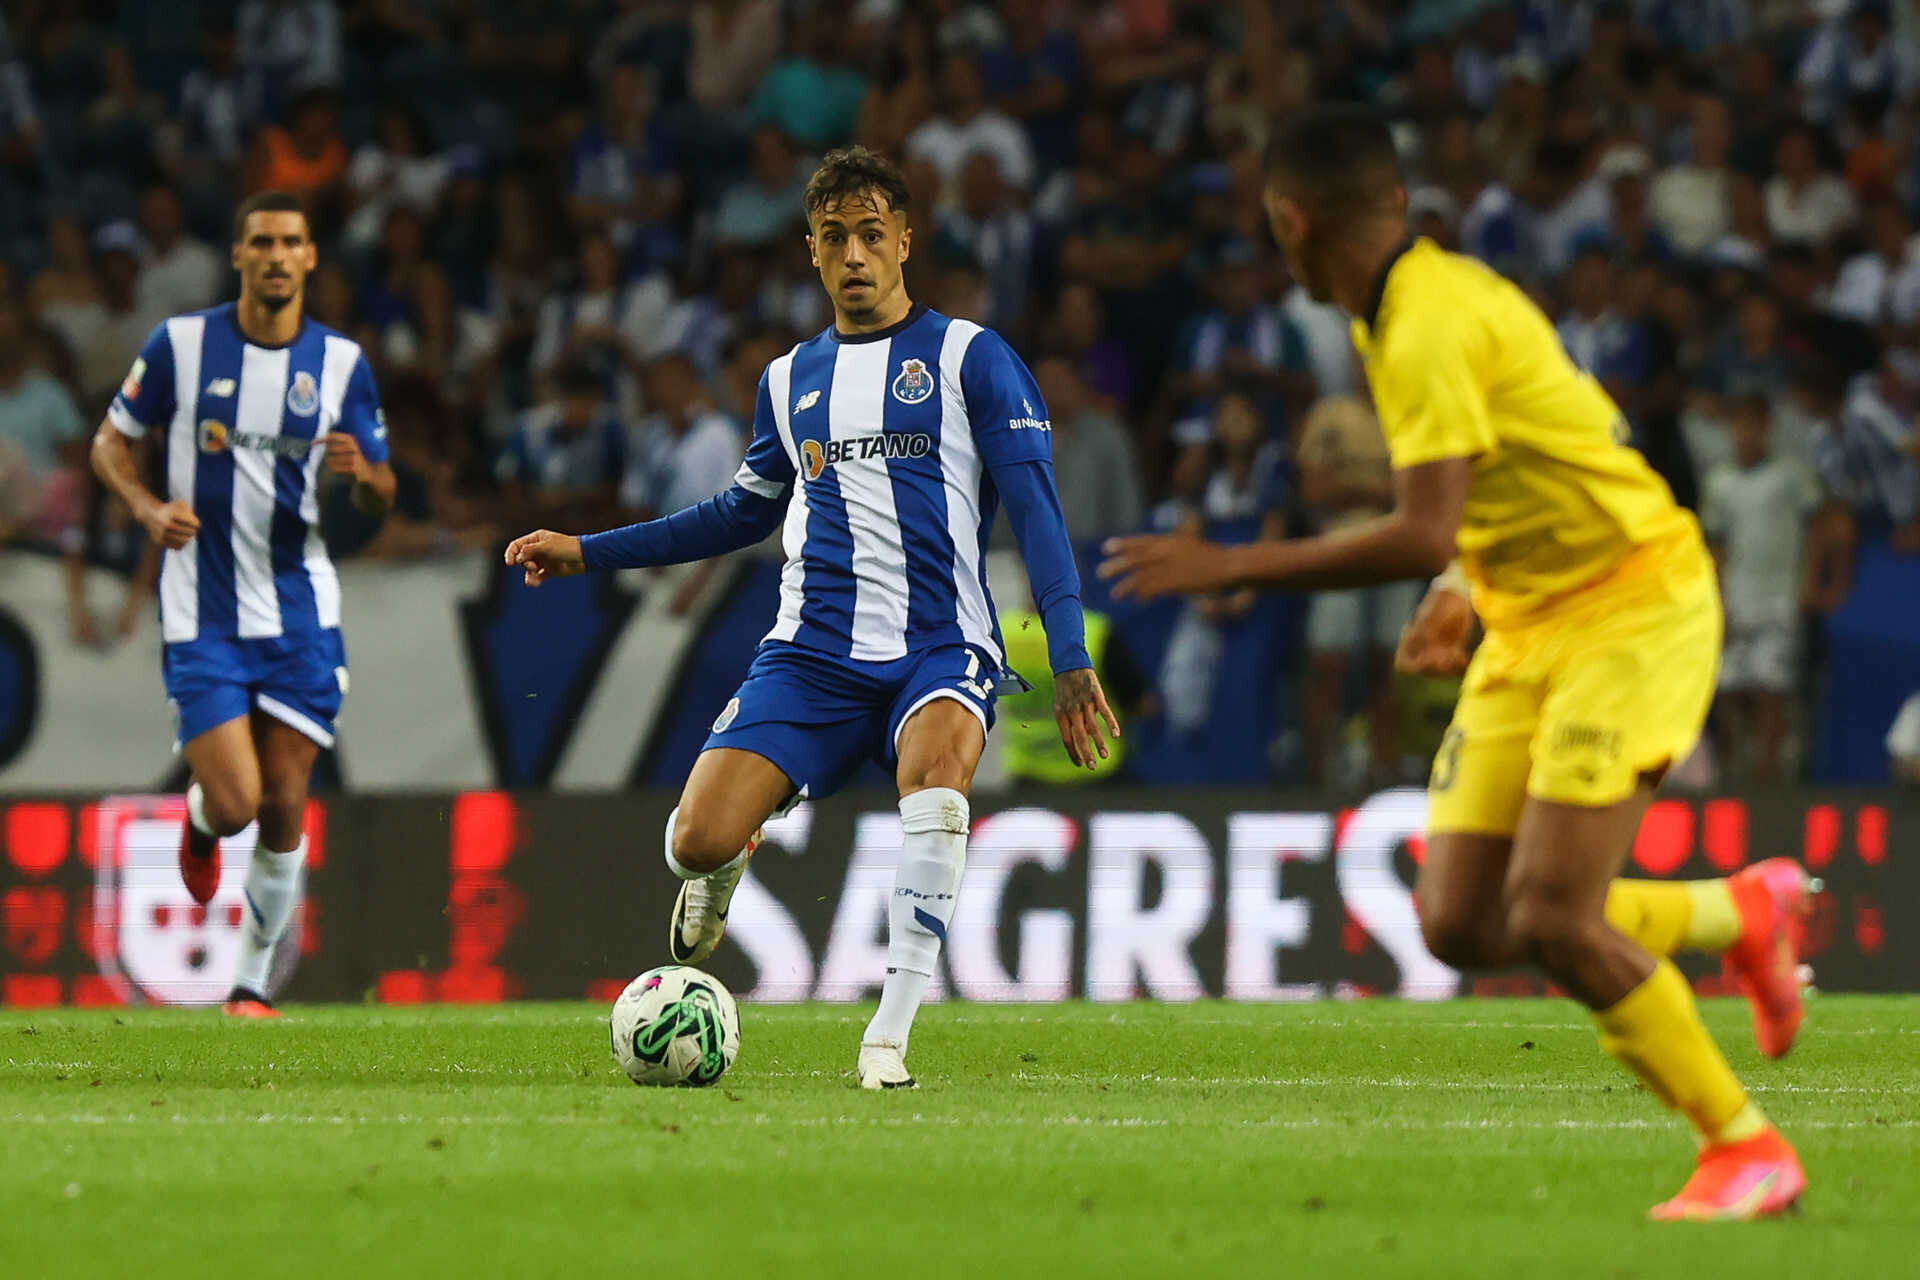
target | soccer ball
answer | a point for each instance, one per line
(675, 1025)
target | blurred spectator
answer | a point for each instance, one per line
(397, 168)
(963, 125)
(1863, 449)
(1032, 77)
(122, 121)
(598, 325)
(287, 48)
(1239, 343)
(307, 156)
(766, 203)
(123, 324)
(686, 450)
(406, 300)
(1754, 509)
(1078, 332)
(1243, 500)
(1346, 479)
(900, 94)
(66, 292)
(1094, 462)
(623, 181)
(566, 459)
(732, 43)
(1631, 233)
(1691, 201)
(1610, 346)
(1881, 284)
(1855, 53)
(179, 273)
(808, 92)
(42, 439)
(1088, 181)
(20, 136)
(989, 227)
(203, 144)
(1805, 201)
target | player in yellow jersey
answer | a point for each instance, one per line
(1602, 620)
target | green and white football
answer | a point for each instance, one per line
(675, 1025)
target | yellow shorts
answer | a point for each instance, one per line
(1577, 705)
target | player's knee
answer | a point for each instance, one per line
(943, 767)
(1454, 936)
(229, 804)
(1550, 930)
(699, 841)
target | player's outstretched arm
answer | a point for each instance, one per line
(1414, 540)
(545, 554)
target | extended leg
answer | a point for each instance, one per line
(286, 759)
(710, 838)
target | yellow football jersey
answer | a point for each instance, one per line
(1462, 364)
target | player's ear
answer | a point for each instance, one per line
(906, 242)
(812, 252)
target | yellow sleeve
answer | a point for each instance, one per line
(1431, 403)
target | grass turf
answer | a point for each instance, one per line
(1484, 1138)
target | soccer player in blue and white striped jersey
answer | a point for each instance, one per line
(251, 401)
(883, 447)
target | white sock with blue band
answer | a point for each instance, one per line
(926, 887)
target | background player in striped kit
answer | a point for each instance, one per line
(885, 444)
(251, 401)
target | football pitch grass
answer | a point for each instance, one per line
(1472, 1138)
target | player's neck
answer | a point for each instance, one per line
(1356, 272)
(886, 315)
(265, 327)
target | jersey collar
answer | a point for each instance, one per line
(914, 312)
(1378, 293)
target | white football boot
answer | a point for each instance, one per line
(700, 912)
(883, 1065)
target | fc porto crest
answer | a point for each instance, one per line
(303, 397)
(914, 383)
(725, 718)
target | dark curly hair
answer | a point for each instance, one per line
(853, 173)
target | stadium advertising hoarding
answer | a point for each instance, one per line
(1113, 895)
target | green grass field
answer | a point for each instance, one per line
(1477, 1138)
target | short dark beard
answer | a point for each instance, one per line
(275, 305)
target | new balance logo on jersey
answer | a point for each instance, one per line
(221, 387)
(806, 402)
(217, 437)
(821, 454)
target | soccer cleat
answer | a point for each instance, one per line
(1738, 1182)
(199, 862)
(700, 912)
(1774, 898)
(242, 1003)
(883, 1065)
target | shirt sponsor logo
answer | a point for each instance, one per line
(221, 387)
(821, 454)
(806, 402)
(218, 437)
(303, 397)
(1030, 423)
(914, 383)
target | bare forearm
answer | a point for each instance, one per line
(1388, 549)
(113, 462)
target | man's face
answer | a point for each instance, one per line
(273, 256)
(859, 244)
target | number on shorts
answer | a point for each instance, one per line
(1446, 761)
(973, 684)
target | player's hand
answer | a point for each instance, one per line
(1435, 642)
(344, 457)
(1152, 565)
(546, 554)
(171, 524)
(1080, 707)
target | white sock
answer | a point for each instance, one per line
(273, 891)
(687, 873)
(926, 886)
(197, 811)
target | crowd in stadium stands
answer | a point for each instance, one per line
(569, 234)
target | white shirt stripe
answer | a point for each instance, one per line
(258, 406)
(857, 407)
(755, 483)
(793, 585)
(960, 464)
(337, 362)
(180, 571)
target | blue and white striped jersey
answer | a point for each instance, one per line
(243, 429)
(885, 456)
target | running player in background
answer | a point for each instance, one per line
(1602, 625)
(252, 401)
(885, 444)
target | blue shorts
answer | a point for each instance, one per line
(298, 680)
(819, 717)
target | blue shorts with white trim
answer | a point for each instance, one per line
(298, 680)
(818, 717)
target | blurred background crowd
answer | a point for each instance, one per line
(569, 235)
